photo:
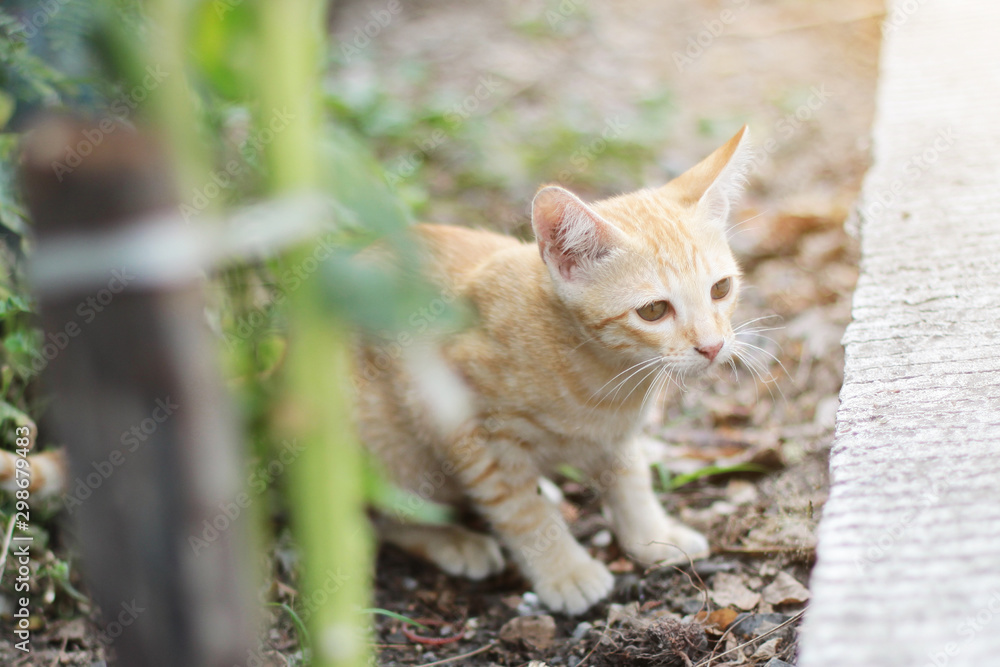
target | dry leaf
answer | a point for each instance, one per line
(728, 591)
(785, 589)
(535, 631)
(621, 565)
(719, 619)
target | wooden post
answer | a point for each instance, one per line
(137, 399)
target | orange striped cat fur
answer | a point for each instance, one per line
(572, 337)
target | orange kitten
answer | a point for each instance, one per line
(572, 337)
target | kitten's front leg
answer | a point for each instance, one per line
(640, 523)
(502, 481)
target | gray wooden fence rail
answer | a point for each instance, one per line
(908, 563)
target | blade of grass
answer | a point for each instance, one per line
(300, 627)
(680, 480)
(392, 614)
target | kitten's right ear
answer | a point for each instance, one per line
(714, 184)
(571, 236)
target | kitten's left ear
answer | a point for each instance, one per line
(572, 238)
(716, 183)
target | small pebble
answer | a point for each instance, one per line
(707, 567)
(529, 605)
(410, 584)
(601, 539)
(573, 661)
(581, 630)
(429, 657)
(723, 508)
(692, 605)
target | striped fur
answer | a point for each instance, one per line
(559, 367)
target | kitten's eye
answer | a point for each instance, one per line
(721, 288)
(655, 311)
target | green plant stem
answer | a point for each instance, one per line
(326, 482)
(173, 107)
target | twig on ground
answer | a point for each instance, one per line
(708, 661)
(594, 648)
(61, 652)
(432, 641)
(703, 589)
(453, 658)
(6, 545)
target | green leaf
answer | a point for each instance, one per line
(300, 627)
(14, 304)
(388, 296)
(392, 614)
(663, 476)
(680, 480)
(224, 47)
(357, 181)
(8, 411)
(23, 343)
(396, 502)
(7, 104)
(570, 472)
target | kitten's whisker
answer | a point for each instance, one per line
(651, 389)
(641, 363)
(760, 349)
(756, 331)
(640, 382)
(753, 373)
(736, 373)
(756, 319)
(729, 235)
(645, 366)
(758, 365)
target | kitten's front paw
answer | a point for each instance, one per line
(671, 543)
(576, 586)
(464, 553)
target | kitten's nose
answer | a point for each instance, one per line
(709, 351)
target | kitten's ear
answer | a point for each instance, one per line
(571, 236)
(715, 184)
